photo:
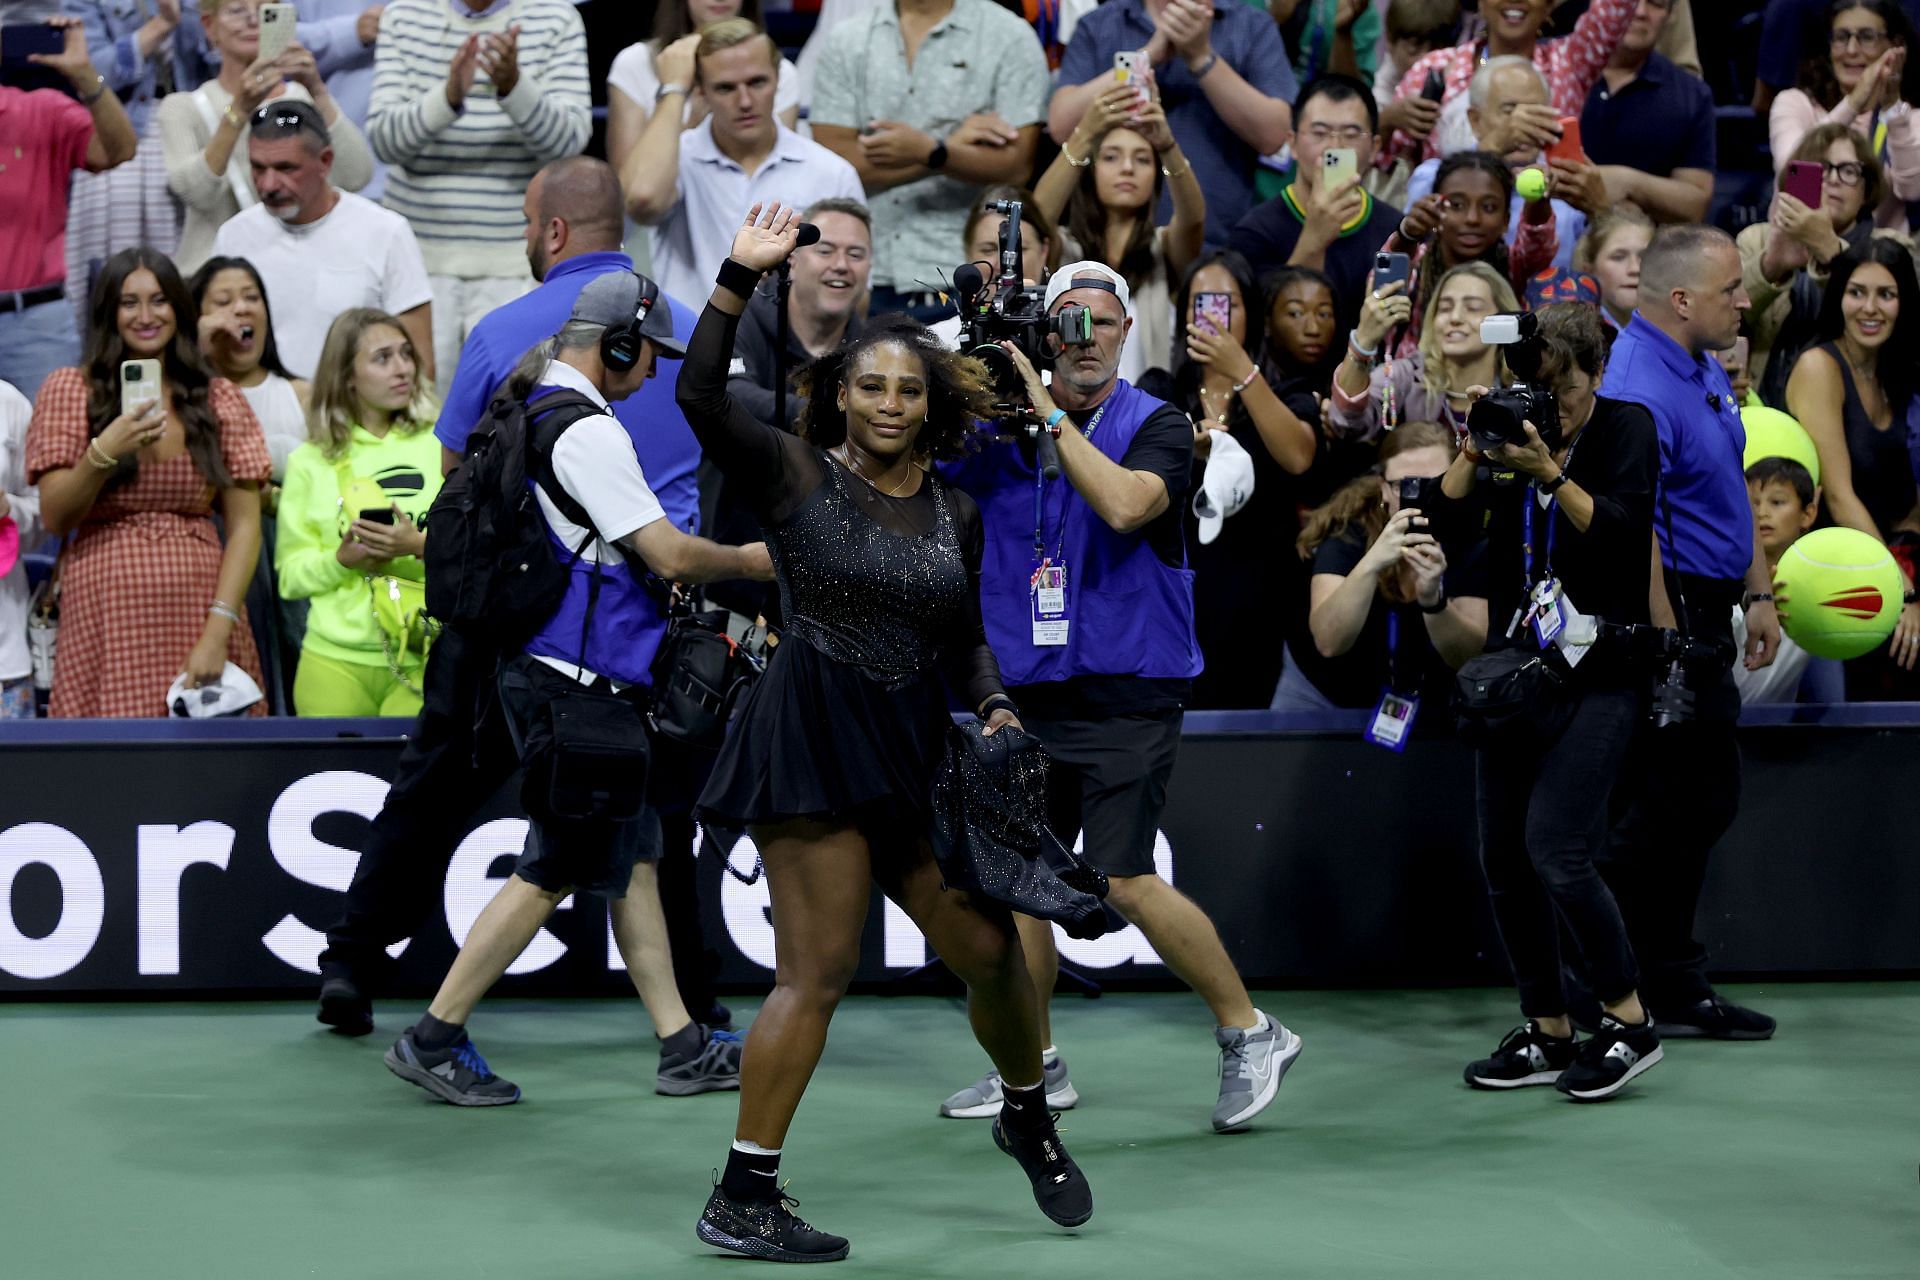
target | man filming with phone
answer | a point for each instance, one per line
(1089, 609)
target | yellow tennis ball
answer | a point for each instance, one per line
(1531, 184)
(1772, 434)
(1842, 590)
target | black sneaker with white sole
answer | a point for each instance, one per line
(1528, 1056)
(1603, 1065)
(1059, 1188)
(1714, 1018)
(455, 1074)
(765, 1229)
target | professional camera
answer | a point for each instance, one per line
(1497, 418)
(1668, 655)
(1008, 310)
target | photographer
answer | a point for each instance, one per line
(1095, 638)
(1683, 787)
(1569, 513)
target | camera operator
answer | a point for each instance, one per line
(1681, 794)
(1568, 529)
(1094, 630)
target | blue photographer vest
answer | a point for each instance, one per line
(1131, 613)
(628, 620)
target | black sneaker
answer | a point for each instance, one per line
(1527, 1056)
(1603, 1065)
(1059, 1188)
(765, 1229)
(1714, 1018)
(456, 1074)
(343, 1006)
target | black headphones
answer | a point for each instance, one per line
(620, 346)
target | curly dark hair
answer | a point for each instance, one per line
(182, 365)
(1817, 80)
(959, 389)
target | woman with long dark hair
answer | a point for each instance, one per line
(632, 81)
(147, 592)
(830, 763)
(235, 332)
(1860, 76)
(1855, 393)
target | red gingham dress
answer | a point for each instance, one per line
(144, 565)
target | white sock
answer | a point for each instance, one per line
(754, 1149)
(1049, 1052)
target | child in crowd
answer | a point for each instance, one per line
(1786, 503)
(1414, 29)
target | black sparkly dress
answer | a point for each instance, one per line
(882, 605)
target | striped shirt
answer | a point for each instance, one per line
(459, 177)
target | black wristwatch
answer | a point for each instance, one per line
(1439, 606)
(1553, 485)
(937, 158)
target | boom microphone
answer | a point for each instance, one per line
(809, 234)
(968, 280)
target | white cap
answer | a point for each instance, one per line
(1077, 275)
(1225, 486)
(231, 694)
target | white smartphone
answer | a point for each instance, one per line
(139, 383)
(276, 29)
(1339, 164)
(1123, 65)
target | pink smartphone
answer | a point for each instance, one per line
(1213, 310)
(1802, 181)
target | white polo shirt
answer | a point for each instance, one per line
(713, 193)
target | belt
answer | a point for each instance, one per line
(21, 299)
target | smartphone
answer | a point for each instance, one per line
(1436, 86)
(1389, 268)
(139, 383)
(276, 30)
(377, 515)
(1123, 64)
(1567, 149)
(17, 43)
(1214, 310)
(1338, 165)
(1803, 181)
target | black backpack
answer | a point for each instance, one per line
(489, 558)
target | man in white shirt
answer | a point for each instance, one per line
(692, 186)
(320, 250)
(592, 495)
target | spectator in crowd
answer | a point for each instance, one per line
(1855, 393)
(1372, 395)
(47, 137)
(1414, 29)
(341, 35)
(356, 497)
(1648, 130)
(19, 529)
(1330, 35)
(889, 77)
(1465, 221)
(1374, 564)
(1301, 327)
(1791, 28)
(470, 98)
(1784, 260)
(1570, 64)
(691, 185)
(147, 593)
(203, 131)
(1224, 78)
(634, 82)
(827, 306)
(1106, 181)
(236, 340)
(1500, 98)
(1862, 82)
(1786, 504)
(1734, 360)
(1610, 252)
(1334, 229)
(321, 248)
(128, 205)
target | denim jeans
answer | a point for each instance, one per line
(35, 342)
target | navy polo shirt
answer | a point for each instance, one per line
(1659, 121)
(1246, 39)
(1701, 445)
(669, 455)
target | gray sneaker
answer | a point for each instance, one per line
(1252, 1064)
(455, 1074)
(984, 1098)
(715, 1067)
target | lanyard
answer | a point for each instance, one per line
(1040, 503)
(1393, 648)
(1526, 538)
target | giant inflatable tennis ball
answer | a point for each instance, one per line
(1772, 434)
(1843, 592)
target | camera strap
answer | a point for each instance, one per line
(1040, 500)
(1672, 571)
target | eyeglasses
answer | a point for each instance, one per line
(1867, 38)
(1348, 135)
(240, 14)
(1848, 172)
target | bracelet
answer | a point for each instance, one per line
(738, 277)
(1168, 173)
(996, 702)
(1909, 596)
(1205, 67)
(1551, 486)
(1054, 420)
(1368, 354)
(99, 458)
(99, 90)
(219, 609)
(666, 89)
(1760, 597)
(1078, 164)
(1247, 381)
(234, 118)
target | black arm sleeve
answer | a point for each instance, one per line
(1622, 480)
(971, 668)
(771, 470)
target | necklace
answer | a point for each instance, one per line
(853, 465)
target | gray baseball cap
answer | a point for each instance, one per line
(614, 299)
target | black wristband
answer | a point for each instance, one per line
(738, 277)
(1759, 597)
(1550, 486)
(998, 701)
(1438, 607)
